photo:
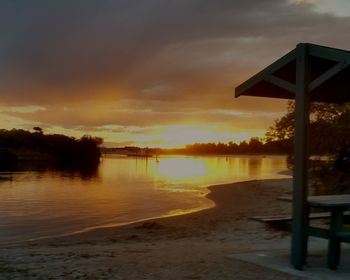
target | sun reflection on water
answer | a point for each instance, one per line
(192, 174)
(190, 169)
(125, 189)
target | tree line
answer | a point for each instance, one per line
(329, 135)
(329, 128)
(62, 151)
(253, 146)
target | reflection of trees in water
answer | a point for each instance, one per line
(254, 166)
(83, 172)
(8, 160)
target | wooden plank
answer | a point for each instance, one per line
(264, 73)
(327, 75)
(287, 218)
(287, 198)
(344, 236)
(267, 219)
(329, 53)
(280, 83)
(342, 200)
(329, 201)
(319, 232)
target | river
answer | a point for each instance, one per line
(47, 203)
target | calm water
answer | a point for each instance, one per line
(124, 189)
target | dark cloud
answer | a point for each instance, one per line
(159, 55)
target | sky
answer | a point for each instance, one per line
(151, 72)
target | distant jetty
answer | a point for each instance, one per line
(130, 151)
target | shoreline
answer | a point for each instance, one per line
(90, 229)
(97, 231)
(94, 230)
(190, 246)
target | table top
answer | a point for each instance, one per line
(342, 200)
(329, 200)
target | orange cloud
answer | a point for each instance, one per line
(85, 66)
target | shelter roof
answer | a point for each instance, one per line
(328, 76)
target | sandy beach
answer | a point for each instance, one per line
(191, 246)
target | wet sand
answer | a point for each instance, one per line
(191, 246)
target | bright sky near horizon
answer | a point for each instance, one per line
(151, 73)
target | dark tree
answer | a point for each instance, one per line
(66, 152)
(329, 127)
(38, 129)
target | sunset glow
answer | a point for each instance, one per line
(176, 136)
(152, 75)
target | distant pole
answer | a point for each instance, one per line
(300, 180)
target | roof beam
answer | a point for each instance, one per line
(281, 83)
(327, 75)
(329, 53)
(267, 71)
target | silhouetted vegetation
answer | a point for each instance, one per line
(329, 128)
(329, 137)
(253, 146)
(19, 145)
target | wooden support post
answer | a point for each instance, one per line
(336, 226)
(300, 180)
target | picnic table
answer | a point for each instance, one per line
(336, 205)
